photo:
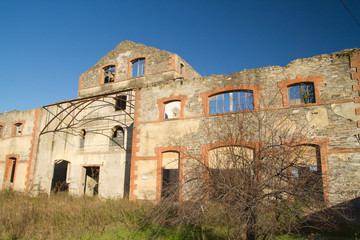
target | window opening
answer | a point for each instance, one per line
(13, 166)
(138, 67)
(91, 186)
(181, 68)
(18, 129)
(117, 137)
(109, 74)
(230, 167)
(307, 172)
(301, 93)
(170, 175)
(59, 181)
(232, 102)
(1, 130)
(172, 110)
(82, 138)
(120, 103)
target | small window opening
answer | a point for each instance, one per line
(138, 67)
(13, 165)
(1, 130)
(172, 110)
(91, 186)
(170, 175)
(181, 68)
(18, 128)
(82, 138)
(109, 74)
(301, 93)
(120, 103)
(117, 138)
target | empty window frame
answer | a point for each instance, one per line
(109, 73)
(182, 68)
(82, 138)
(232, 102)
(17, 129)
(138, 67)
(307, 172)
(117, 136)
(120, 103)
(170, 183)
(301, 93)
(12, 166)
(1, 130)
(172, 109)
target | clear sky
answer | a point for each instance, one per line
(46, 45)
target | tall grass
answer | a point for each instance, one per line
(65, 217)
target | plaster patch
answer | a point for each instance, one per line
(318, 117)
(345, 110)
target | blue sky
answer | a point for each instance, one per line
(46, 45)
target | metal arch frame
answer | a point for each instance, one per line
(78, 103)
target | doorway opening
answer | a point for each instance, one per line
(170, 175)
(91, 186)
(59, 181)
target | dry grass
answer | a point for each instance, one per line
(65, 217)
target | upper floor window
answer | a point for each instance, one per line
(232, 102)
(172, 110)
(301, 93)
(109, 73)
(120, 103)
(17, 129)
(82, 138)
(138, 67)
(182, 67)
(1, 130)
(117, 136)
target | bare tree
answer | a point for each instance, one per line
(258, 174)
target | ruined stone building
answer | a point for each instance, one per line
(139, 107)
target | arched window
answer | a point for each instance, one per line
(138, 67)
(172, 109)
(301, 93)
(17, 129)
(170, 175)
(109, 73)
(117, 136)
(231, 102)
(82, 138)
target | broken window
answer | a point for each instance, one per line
(91, 181)
(1, 130)
(109, 73)
(170, 175)
(59, 181)
(18, 129)
(232, 102)
(117, 136)
(301, 93)
(138, 67)
(172, 110)
(120, 103)
(82, 138)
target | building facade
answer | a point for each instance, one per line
(140, 110)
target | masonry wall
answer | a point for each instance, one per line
(331, 122)
(19, 146)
